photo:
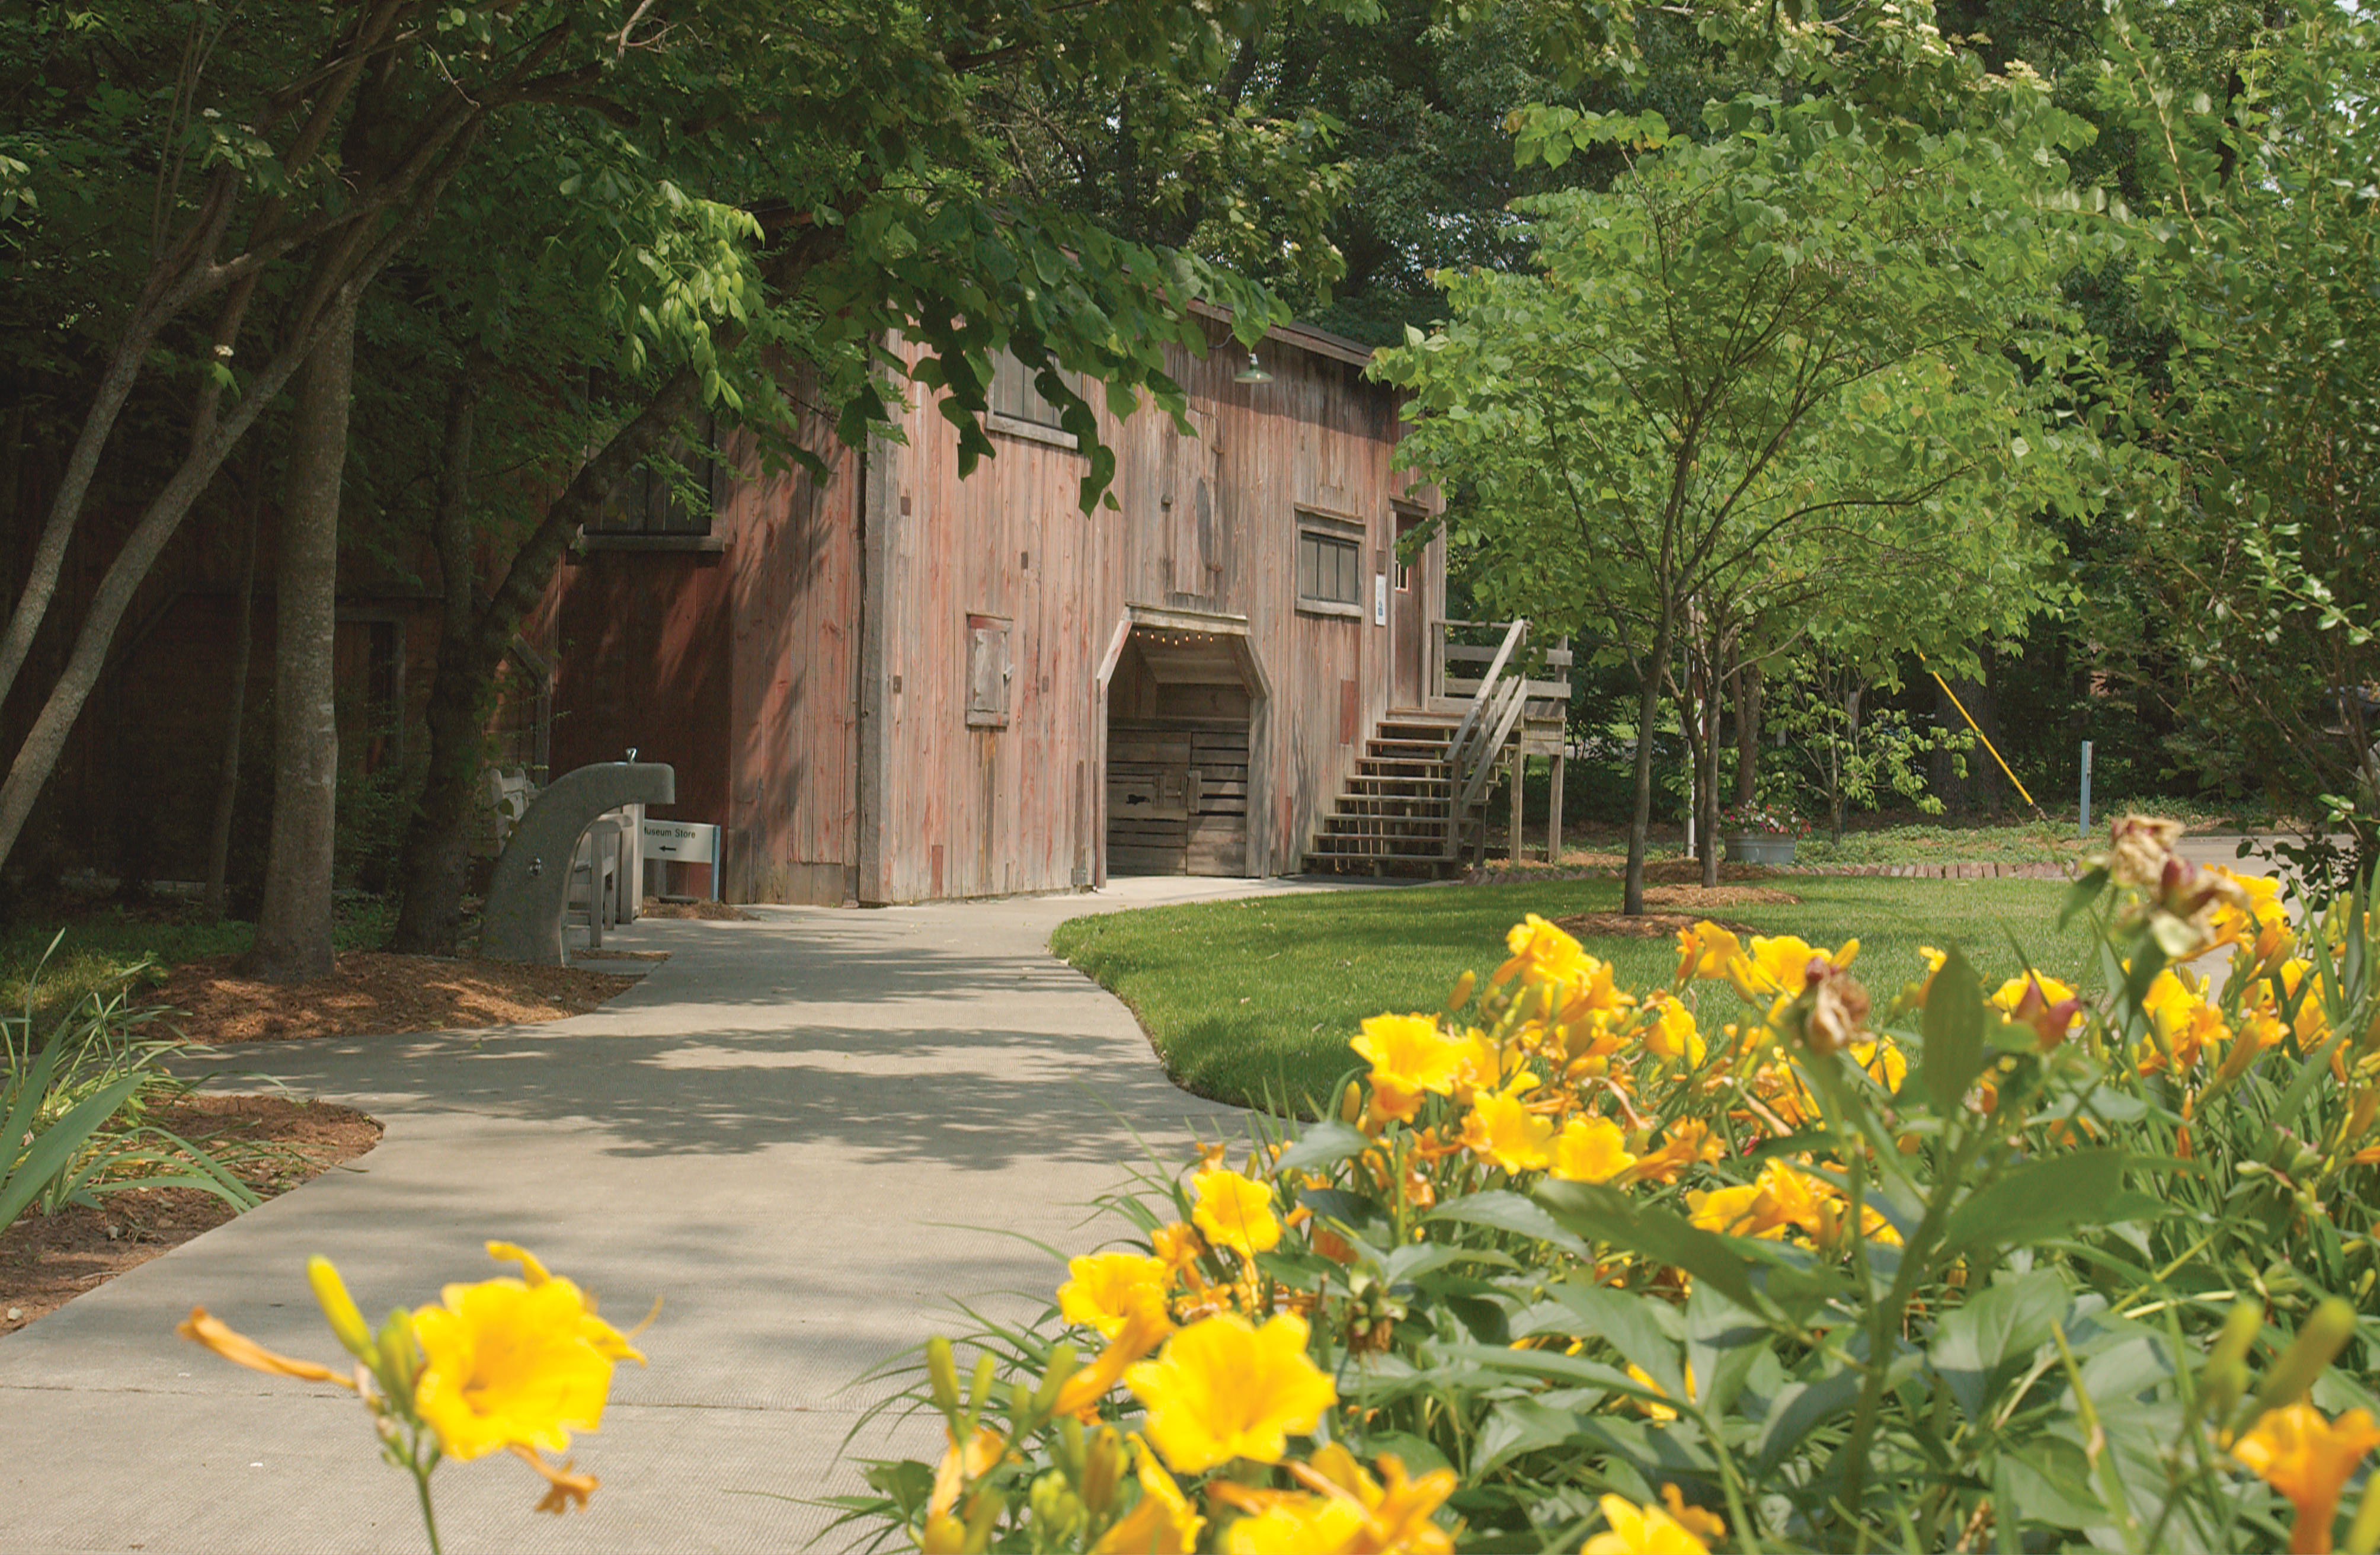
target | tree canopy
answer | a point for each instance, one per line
(1780, 376)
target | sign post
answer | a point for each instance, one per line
(2087, 790)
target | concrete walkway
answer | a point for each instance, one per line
(808, 1134)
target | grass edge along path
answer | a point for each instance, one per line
(1252, 1002)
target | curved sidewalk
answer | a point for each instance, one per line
(807, 1135)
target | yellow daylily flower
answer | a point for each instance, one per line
(1690, 1141)
(1591, 1150)
(2309, 1460)
(1235, 1211)
(1780, 965)
(2183, 1024)
(1670, 1034)
(1502, 1130)
(2255, 919)
(1104, 1289)
(505, 1362)
(1706, 951)
(1144, 1329)
(1287, 1523)
(1644, 1380)
(1703, 1524)
(204, 1328)
(1348, 1511)
(1176, 1246)
(962, 1466)
(1410, 1058)
(1541, 952)
(1223, 1390)
(1642, 1530)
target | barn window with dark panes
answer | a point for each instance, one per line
(1328, 569)
(674, 496)
(1017, 406)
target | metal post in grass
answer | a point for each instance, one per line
(2087, 790)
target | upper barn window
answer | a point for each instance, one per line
(672, 496)
(1018, 408)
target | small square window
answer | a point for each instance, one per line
(1328, 569)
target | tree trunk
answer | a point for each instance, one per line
(235, 715)
(1708, 787)
(437, 859)
(293, 930)
(340, 275)
(1748, 691)
(1640, 824)
(429, 918)
(1847, 750)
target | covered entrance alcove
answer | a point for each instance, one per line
(1185, 714)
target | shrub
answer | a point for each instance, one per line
(1755, 1260)
(74, 1110)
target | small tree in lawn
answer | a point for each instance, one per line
(1814, 358)
(1858, 752)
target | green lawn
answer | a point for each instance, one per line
(1257, 999)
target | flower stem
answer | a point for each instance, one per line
(429, 1517)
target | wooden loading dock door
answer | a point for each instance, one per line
(1177, 799)
(1177, 760)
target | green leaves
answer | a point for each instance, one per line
(1609, 1216)
(1953, 1029)
(1997, 1330)
(2041, 1199)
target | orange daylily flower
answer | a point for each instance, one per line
(2309, 1460)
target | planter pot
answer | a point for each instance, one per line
(1760, 847)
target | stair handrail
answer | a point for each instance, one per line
(1510, 705)
(1457, 748)
(1496, 705)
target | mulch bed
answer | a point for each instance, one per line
(374, 993)
(47, 1261)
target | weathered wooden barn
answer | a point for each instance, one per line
(895, 684)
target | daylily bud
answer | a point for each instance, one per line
(1062, 1366)
(399, 1358)
(1463, 986)
(2225, 1376)
(346, 1323)
(2364, 1533)
(944, 1534)
(979, 1388)
(2319, 1339)
(942, 1371)
(1103, 1466)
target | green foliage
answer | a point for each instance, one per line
(1856, 751)
(74, 1106)
(2257, 246)
(1811, 379)
(1979, 1262)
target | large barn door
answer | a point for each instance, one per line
(1177, 760)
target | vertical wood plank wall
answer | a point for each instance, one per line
(811, 682)
(1206, 525)
(793, 730)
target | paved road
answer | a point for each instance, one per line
(808, 1134)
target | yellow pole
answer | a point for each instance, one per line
(1980, 734)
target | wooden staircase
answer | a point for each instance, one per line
(1420, 789)
(1395, 815)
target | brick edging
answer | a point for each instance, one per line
(2052, 871)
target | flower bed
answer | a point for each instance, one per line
(1756, 1259)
